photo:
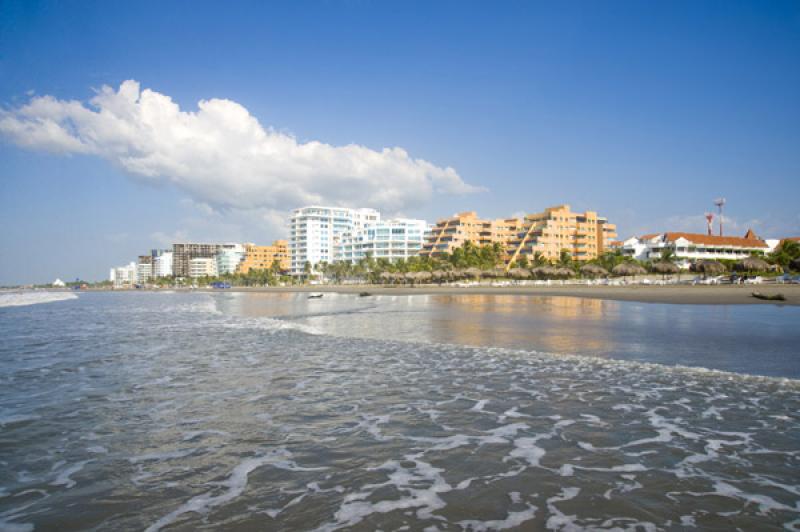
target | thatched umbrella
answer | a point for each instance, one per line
(424, 277)
(664, 268)
(751, 264)
(439, 276)
(709, 267)
(519, 273)
(488, 274)
(386, 277)
(565, 272)
(795, 264)
(593, 270)
(626, 268)
(545, 272)
(410, 277)
(475, 273)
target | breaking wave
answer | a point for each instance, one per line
(21, 299)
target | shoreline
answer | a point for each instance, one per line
(658, 294)
(667, 294)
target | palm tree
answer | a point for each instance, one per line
(668, 255)
(565, 259)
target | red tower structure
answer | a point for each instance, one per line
(710, 221)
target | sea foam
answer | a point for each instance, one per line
(21, 299)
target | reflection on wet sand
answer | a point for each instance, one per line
(557, 324)
(693, 335)
(514, 321)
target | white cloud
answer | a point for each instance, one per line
(222, 156)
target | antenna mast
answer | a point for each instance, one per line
(720, 202)
(710, 222)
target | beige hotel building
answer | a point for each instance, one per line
(584, 235)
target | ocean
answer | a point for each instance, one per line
(262, 411)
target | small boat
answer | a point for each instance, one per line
(315, 296)
(364, 294)
(766, 297)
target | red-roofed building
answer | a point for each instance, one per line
(689, 247)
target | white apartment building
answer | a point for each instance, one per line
(202, 267)
(229, 257)
(144, 272)
(123, 276)
(315, 230)
(162, 264)
(391, 239)
(690, 247)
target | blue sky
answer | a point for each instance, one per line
(642, 111)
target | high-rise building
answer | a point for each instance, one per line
(451, 233)
(584, 235)
(162, 263)
(263, 257)
(314, 231)
(228, 258)
(144, 269)
(391, 239)
(182, 253)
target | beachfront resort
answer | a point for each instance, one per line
(328, 244)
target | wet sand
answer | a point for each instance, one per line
(681, 294)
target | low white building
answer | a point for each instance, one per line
(58, 283)
(691, 247)
(123, 276)
(202, 267)
(400, 238)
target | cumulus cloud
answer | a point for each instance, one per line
(221, 155)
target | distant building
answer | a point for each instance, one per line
(314, 231)
(584, 235)
(162, 263)
(228, 258)
(688, 247)
(391, 239)
(202, 267)
(451, 233)
(123, 276)
(262, 257)
(144, 269)
(58, 283)
(183, 253)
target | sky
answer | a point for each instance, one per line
(127, 126)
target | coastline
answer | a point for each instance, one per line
(659, 294)
(669, 294)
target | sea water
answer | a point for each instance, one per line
(182, 411)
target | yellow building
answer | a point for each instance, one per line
(262, 257)
(451, 233)
(584, 235)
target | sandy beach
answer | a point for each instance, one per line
(680, 294)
